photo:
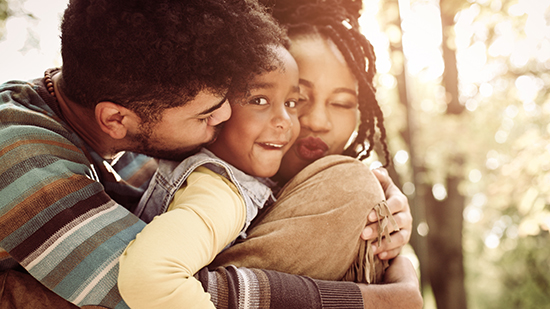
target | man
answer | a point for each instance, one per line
(146, 77)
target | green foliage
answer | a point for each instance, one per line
(526, 274)
(4, 11)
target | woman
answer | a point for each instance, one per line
(337, 95)
(336, 66)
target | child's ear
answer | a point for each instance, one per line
(115, 120)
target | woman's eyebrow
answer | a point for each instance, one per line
(306, 83)
(345, 90)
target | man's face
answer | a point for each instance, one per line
(182, 131)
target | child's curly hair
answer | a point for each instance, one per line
(337, 20)
(149, 55)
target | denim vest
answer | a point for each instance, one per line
(171, 175)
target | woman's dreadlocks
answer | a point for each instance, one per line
(337, 20)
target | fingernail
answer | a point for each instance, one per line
(383, 255)
(367, 232)
(372, 217)
(374, 248)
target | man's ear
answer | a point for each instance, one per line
(115, 120)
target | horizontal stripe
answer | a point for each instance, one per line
(113, 298)
(144, 174)
(26, 172)
(66, 239)
(102, 257)
(66, 219)
(121, 228)
(24, 187)
(26, 114)
(34, 142)
(95, 282)
(38, 201)
(37, 222)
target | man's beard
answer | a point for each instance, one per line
(142, 144)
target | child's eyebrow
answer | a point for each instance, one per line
(261, 86)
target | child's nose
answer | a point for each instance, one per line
(282, 118)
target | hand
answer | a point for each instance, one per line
(400, 289)
(399, 207)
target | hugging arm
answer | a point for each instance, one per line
(400, 289)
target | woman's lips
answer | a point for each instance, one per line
(311, 148)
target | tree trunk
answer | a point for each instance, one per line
(418, 242)
(445, 270)
(445, 218)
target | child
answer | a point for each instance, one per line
(218, 198)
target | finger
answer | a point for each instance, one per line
(388, 255)
(370, 232)
(397, 202)
(383, 177)
(398, 240)
(402, 219)
(398, 207)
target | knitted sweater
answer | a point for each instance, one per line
(65, 216)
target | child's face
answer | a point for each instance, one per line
(264, 123)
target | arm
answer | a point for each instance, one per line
(156, 270)
(399, 206)
(401, 288)
(55, 220)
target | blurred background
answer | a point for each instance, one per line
(464, 89)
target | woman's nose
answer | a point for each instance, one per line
(315, 117)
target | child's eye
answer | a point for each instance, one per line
(258, 101)
(291, 104)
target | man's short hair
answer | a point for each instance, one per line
(148, 55)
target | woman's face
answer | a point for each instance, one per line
(328, 105)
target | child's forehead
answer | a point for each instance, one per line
(268, 79)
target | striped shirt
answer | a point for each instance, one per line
(65, 216)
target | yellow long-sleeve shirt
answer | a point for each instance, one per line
(157, 268)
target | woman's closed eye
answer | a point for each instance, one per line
(344, 104)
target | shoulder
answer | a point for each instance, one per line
(202, 175)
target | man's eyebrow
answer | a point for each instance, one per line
(213, 108)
